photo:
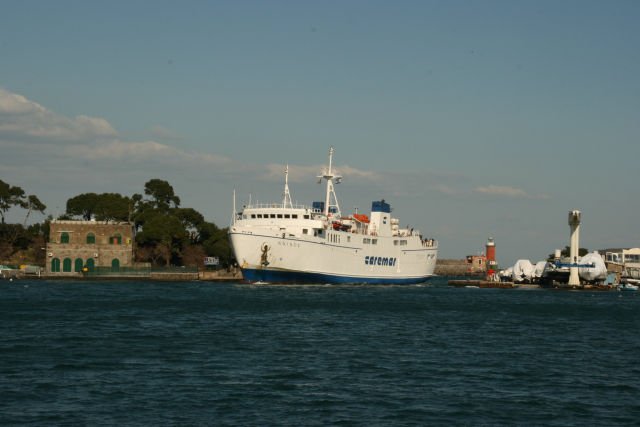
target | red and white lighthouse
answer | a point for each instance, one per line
(492, 265)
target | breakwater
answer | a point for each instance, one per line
(454, 267)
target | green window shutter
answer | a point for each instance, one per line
(78, 264)
(64, 237)
(115, 264)
(91, 264)
(91, 239)
(66, 265)
(55, 265)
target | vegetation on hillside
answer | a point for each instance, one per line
(166, 233)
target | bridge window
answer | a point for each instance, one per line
(287, 216)
(374, 241)
(253, 216)
(279, 215)
(631, 258)
(295, 216)
(305, 217)
(273, 215)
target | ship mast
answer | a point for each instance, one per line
(286, 196)
(331, 197)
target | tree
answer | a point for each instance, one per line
(10, 196)
(192, 221)
(193, 255)
(112, 207)
(33, 204)
(567, 251)
(12, 236)
(134, 202)
(164, 231)
(174, 234)
(162, 194)
(83, 205)
(218, 245)
(102, 207)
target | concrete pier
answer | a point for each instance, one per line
(481, 284)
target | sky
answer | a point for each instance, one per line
(473, 119)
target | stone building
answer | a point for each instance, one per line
(77, 245)
(476, 264)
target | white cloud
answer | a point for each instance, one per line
(348, 171)
(507, 191)
(85, 138)
(28, 121)
(146, 151)
(12, 103)
(499, 190)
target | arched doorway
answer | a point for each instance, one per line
(66, 265)
(55, 265)
(77, 265)
(115, 264)
(91, 264)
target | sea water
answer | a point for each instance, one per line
(199, 353)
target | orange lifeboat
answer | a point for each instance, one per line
(361, 218)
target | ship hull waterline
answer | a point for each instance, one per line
(251, 275)
(320, 263)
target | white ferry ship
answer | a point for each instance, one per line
(286, 243)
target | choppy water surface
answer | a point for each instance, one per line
(148, 353)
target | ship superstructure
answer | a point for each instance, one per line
(287, 243)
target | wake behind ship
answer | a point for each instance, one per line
(283, 243)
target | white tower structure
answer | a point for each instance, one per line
(331, 201)
(574, 223)
(286, 195)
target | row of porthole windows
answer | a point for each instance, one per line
(116, 239)
(78, 265)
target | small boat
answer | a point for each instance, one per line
(627, 287)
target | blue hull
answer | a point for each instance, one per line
(278, 276)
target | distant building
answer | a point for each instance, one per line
(629, 257)
(476, 264)
(625, 262)
(77, 245)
